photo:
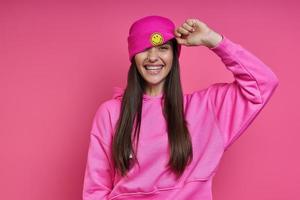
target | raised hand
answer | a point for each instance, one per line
(194, 32)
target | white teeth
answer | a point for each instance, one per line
(153, 67)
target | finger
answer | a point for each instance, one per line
(191, 22)
(176, 33)
(183, 31)
(188, 27)
(181, 41)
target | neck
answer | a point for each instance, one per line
(154, 90)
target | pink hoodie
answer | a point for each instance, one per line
(216, 117)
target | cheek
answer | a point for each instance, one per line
(168, 58)
(140, 68)
(138, 59)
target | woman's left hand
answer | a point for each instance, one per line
(194, 32)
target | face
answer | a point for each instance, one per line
(155, 63)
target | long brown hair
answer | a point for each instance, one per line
(180, 145)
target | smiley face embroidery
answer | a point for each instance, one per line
(156, 39)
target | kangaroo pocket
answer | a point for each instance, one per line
(195, 189)
(153, 176)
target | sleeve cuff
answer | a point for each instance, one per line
(226, 47)
(220, 43)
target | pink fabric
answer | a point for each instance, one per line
(141, 34)
(217, 116)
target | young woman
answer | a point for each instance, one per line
(151, 141)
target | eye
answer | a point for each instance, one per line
(164, 47)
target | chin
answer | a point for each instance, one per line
(154, 82)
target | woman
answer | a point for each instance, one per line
(151, 141)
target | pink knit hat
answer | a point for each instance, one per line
(150, 31)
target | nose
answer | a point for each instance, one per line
(152, 54)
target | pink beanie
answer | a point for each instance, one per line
(150, 31)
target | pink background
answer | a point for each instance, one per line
(60, 60)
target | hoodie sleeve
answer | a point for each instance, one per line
(99, 172)
(235, 105)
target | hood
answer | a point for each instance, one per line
(118, 92)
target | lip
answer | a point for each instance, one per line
(154, 72)
(153, 64)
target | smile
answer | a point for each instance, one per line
(153, 67)
(153, 70)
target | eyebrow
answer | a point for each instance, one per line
(168, 43)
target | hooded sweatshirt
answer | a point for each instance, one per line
(216, 117)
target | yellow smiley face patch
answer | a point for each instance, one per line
(156, 39)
